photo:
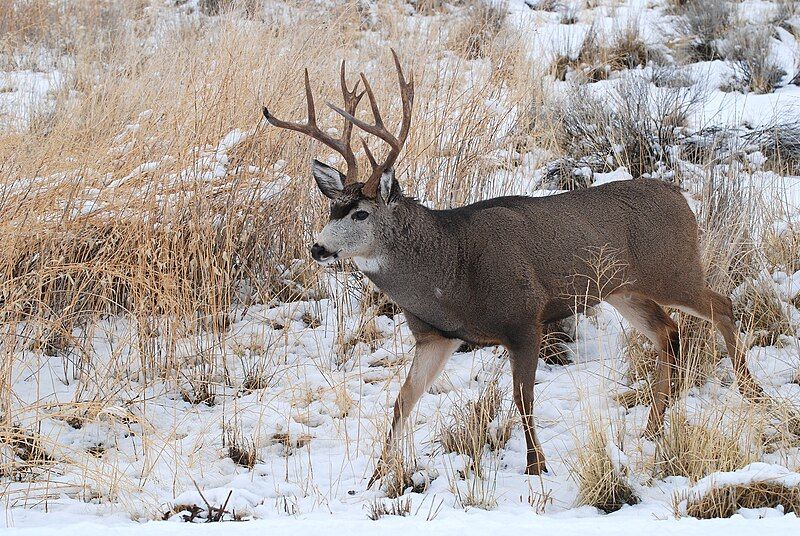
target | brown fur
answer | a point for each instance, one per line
(494, 272)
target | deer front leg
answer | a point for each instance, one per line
(430, 355)
(524, 355)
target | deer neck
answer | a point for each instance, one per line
(413, 263)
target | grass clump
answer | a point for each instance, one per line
(725, 501)
(379, 508)
(696, 450)
(755, 486)
(748, 50)
(478, 424)
(602, 481)
(700, 27)
(762, 313)
(240, 449)
(602, 54)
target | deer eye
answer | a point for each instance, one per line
(360, 215)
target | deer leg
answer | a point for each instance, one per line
(718, 309)
(648, 317)
(524, 357)
(430, 355)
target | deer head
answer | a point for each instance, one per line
(359, 210)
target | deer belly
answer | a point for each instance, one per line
(431, 308)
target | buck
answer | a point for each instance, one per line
(496, 271)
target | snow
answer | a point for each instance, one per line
(23, 93)
(476, 524)
(319, 424)
(750, 474)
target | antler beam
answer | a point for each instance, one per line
(379, 130)
(310, 128)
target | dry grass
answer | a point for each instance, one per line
(120, 203)
(379, 508)
(25, 453)
(727, 500)
(602, 54)
(782, 248)
(171, 246)
(478, 32)
(400, 471)
(635, 132)
(749, 52)
(242, 450)
(699, 354)
(761, 312)
(602, 481)
(700, 26)
(478, 425)
(696, 450)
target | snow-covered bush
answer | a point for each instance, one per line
(700, 26)
(749, 52)
(756, 486)
(634, 128)
(601, 473)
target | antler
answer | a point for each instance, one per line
(310, 128)
(370, 188)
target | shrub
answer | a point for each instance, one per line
(635, 130)
(602, 482)
(483, 22)
(602, 54)
(701, 25)
(748, 50)
(478, 424)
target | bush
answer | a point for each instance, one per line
(748, 51)
(602, 54)
(475, 35)
(636, 130)
(700, 27)
(601, 482)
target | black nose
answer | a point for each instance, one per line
(319, 252)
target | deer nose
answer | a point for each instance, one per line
(319, 253)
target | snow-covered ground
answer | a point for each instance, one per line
(317, 421)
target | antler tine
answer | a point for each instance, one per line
(351, 100)
(310, 128)
(371, 158)
(379, 130)
(406, 96)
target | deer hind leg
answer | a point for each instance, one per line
(648, 317)
(430, 355)
(524, 357)
(718, 309)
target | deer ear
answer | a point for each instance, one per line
(389, 187)
(329, 180)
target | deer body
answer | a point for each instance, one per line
(496, 271)
(484, 272)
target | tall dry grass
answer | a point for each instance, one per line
(119, 199)
(146, 202)
(147, 186)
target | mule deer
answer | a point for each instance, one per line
(494, 272)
